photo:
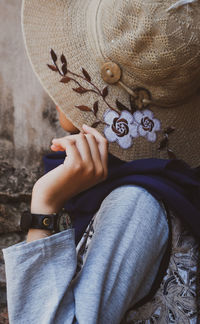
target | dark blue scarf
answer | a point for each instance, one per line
(171, 181)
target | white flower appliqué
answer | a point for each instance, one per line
(146, 124)
(120, 128)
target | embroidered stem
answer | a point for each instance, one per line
(86, 90)
(95, 124)
(92, 84)
(104, 123)
(58, 69)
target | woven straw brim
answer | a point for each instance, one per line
(65, 27)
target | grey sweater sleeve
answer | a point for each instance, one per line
(121, 263)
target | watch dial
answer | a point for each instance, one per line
(64, 222)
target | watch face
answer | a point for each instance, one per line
(64, 222)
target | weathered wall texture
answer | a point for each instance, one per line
(28, 122)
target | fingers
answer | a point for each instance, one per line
(84, 149)
(102, 144)
(95, 155)
(81, 145)
(90, 146)
(56, 148)
(93, 147)
(68, 145)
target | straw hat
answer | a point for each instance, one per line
(129, 68)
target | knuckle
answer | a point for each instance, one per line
(100, 173)
(90, 169)
(81, 135)
(77, 167)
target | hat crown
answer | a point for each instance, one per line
(156, 45)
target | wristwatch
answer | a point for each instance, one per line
(55, 222)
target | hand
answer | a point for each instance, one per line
(84, 166)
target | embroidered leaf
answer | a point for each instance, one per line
(64, 68)
(171, 154)
(86, 75)
(169, 130)
(52, 67)
(53, 56)
(63, 59)
(83, 108)
(94, 125)
(120, 106)
(163, 143)
(66, 79)
(105, 92)
(96, 107)
(80, 90)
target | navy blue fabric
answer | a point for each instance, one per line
(171, 181)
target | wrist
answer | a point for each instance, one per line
(42, 208)
(49, 193)
(36, 234)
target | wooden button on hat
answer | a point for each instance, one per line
(110, 72)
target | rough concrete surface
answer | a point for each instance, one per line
(28, 122)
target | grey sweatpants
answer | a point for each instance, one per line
(130, 238)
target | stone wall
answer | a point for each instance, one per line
(28, 122)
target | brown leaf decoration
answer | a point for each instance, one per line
(94, 125)
(171, 154)
(66, 79)
(80, 90)
(83, 108)
(64, 68)
(120, 106)
(86, 75)
(63, 59)
(53, 55)
(105, 92)
(52, 67)
(169, 130)
(96, 107)
(163, 143)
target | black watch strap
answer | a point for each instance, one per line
(40, 221)
(56, 222)
(48, 222)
